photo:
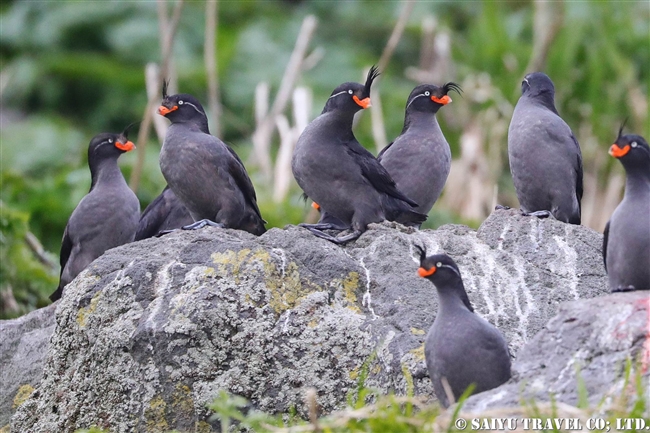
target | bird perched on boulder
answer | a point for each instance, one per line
(626, 244)
(545, 157)
(461, 348)
(204, 173)
(339, 174)
(419, 159)
(164, 213)
(106, 217)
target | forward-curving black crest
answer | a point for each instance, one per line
(125, 133)
(447, 87)
(423, 252)
(372, 74)
(165, 86)
(620, 130)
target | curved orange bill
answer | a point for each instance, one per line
(617, 152)
(163, 111)
(426, 272)
(444, 100)
(363, 103)
(315, 206)
(125, 146)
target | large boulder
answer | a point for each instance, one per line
(151, 331)
(23, 345)
(589, 343)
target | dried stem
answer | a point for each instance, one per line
(37, 248)
(378, 128)
(265, 128)
(167, 32)
(548, 20)
(288, 139)
(210, 48)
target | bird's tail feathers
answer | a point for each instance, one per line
(399, 211)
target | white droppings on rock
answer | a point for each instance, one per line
(567, 265)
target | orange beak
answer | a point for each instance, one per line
(444, 100)
(128, 146)
(163, 111)
(315, 206)
(363, 103)
(618, 152)
(426, 272)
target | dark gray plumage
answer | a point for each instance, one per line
(203, 172)
(106, 217)
(339, 174)
(164, 213)
(419, 159)
(460, 347)
(626, 244)
(545, 157)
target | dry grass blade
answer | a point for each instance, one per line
(167, 33)
(266, 126)
(210, 55)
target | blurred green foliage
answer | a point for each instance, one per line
(73, 69)
(24, 281)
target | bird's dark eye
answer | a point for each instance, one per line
(438, 264)
(180, 102)
(350, 91)
(633, 144)
(110, 140)
(427, 93)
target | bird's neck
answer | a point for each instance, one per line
(339, 123)
(545, 100)
(199, 124)
(414, 118)
(105, 171)
(637, 181)
(453, 298)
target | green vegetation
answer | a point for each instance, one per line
(73, 69)
(369, 411)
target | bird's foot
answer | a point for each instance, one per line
(323, 226)
(538, 213)
(202, 223)
(501, 207)
(339, 241)
(624, 289)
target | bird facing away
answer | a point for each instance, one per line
(545, 158)
(339, 174)
(204, 173)
(106, 217)
(626, 244)
(164, 214)
(461, 347)
(419, 159)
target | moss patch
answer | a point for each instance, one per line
(416, 331)
(350, 285)
(84, 312)
(418, 353)
(155, 415)
(285, 286)
(23, 394)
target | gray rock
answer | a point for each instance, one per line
(151, 331)
(589, 341)
(23, 345)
